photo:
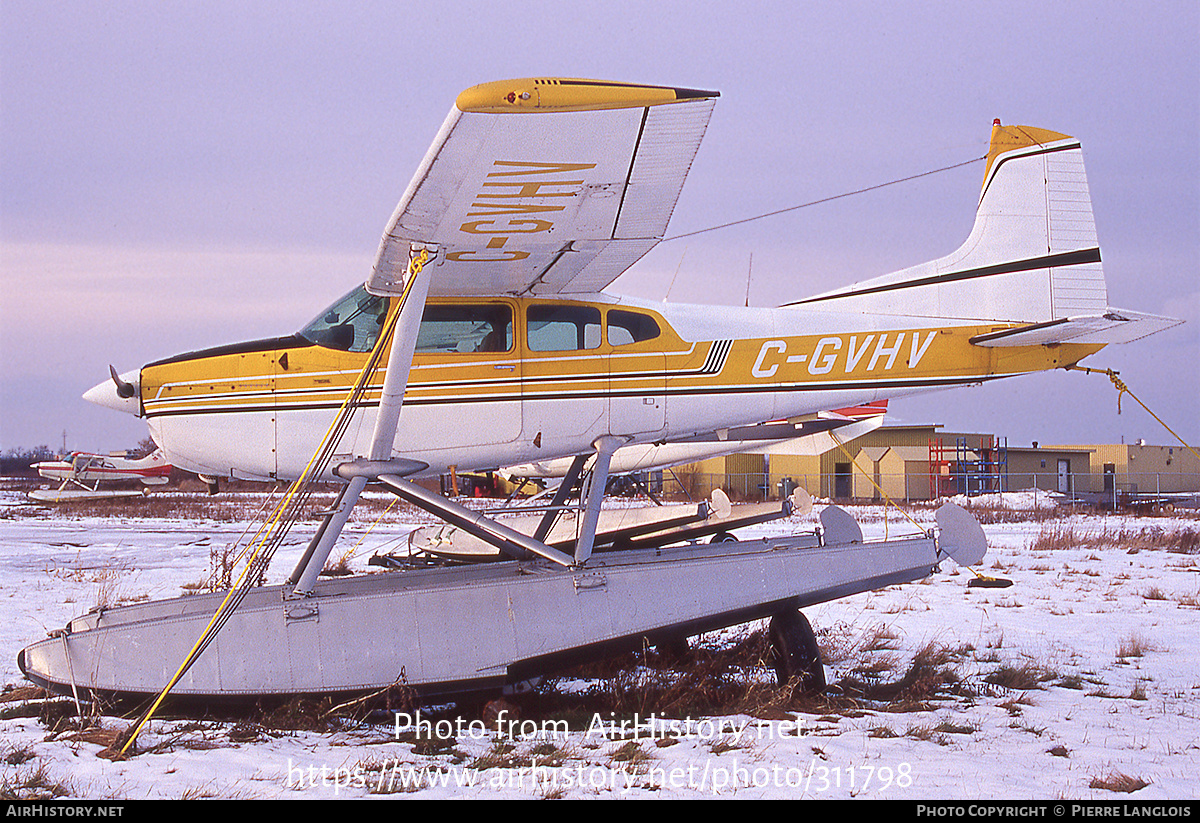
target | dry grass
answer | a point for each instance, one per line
(937, 732)
(56, 714)
(502, 755)
(631, 753)
(1134, 646)
(339, 567)
(989, 516)
(1015, 705)
(175, 506)
(12, 693)
(382, 777)
(17, 757)
(1023, 677)
(1059, 538)
(706, 680)
(110, 583)
(998, 511)
(1075, 682)
(931, 675)
(241, 504)
(505, 754)
(880, 637)
(1118, 782)
(32, 783)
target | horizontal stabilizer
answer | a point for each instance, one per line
(1114, 326)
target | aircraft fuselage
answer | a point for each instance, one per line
(503, 381)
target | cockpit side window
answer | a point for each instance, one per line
(351, 324)
(450, 329)
(354, 322)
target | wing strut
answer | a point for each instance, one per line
(391, 399)
(318, 537)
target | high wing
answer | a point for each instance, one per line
(544, 186)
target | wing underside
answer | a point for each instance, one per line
(545, 186)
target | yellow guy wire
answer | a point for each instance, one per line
(264, 532)
(214, 583)
(889, 500)
(273, 521)
(354, 549)
(1121, 388)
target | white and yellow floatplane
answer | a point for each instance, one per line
(483, 339)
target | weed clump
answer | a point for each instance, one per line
(930, 675)
(1133, 646)
(1024, 677)
(1118, 782)
(300, 714)
(701, 680)
(33, 783)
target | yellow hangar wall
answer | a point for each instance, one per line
(1141, 468)
(924, 462)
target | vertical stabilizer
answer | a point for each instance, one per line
(1032, 256)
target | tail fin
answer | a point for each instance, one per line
(1032, 257)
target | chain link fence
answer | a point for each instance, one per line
(1112, 490)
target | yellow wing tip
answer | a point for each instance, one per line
(542, 94)
(1008, 138)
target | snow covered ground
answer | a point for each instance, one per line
(1080, 681)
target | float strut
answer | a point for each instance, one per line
(594, 491)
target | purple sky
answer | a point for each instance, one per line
(179, 175)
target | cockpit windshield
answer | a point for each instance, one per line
(351, 324)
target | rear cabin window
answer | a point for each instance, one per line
(625, 327)
(563, 328)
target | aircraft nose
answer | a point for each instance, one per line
(110, 394)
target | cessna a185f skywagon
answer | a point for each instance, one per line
(483, 338)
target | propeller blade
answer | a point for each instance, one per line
(124, 389)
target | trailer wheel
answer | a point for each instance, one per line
(795, 653)
(723, 537)
(496, 711)
(673, 651)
